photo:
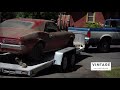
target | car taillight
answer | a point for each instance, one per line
(11, 41)
(88, 34)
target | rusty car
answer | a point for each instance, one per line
(31, 38)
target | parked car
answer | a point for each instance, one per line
(101, 37)
(32, 37)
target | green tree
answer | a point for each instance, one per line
(37, 15)
(92, 25)
(7, 15)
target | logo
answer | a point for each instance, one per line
(100, 66)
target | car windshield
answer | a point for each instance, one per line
(16, 23)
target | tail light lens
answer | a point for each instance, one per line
(10, 41)
(88, 34)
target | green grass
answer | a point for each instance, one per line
(114, 73)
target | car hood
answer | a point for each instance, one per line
(16, 32)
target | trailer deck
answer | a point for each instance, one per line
(54, 58)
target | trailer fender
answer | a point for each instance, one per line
(60, 54)
(58, 58)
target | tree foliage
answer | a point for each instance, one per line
(92, 25)
(37, 15)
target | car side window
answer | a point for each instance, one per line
(113, 24)
(50, 27)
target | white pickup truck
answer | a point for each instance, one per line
(101, 37)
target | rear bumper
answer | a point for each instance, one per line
(11, 48)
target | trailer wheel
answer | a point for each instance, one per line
(64, 64)
(72, 61)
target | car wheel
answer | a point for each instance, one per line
(104, 46)
(70, 43)
(36, 53)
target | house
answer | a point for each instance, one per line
(79, 19)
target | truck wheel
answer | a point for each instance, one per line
(104, 46)
(37, 53)
(64, 64)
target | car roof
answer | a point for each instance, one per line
(31, 20)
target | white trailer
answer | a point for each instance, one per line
(64, 58)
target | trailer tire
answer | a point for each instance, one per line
(64, 64)
(72, 61)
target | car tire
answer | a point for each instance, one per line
(104, 46)
(70, 43)
(36, 53)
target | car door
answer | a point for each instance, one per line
(53, 42)
(116, 32)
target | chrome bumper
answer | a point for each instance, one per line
(11, 46)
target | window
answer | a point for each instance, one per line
(16, 23)
(112, 23)
(51, 27)
(90, 17)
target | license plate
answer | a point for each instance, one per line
(8, 71)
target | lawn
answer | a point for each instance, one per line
(114, 73)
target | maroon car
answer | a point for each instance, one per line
(32, 37)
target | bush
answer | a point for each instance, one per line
(92, 25)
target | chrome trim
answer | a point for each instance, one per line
(11, 46)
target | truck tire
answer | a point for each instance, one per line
(104, 45)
